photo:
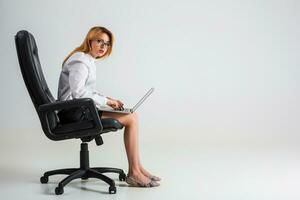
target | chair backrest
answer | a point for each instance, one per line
(32, 73)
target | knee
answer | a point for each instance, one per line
(132, 119)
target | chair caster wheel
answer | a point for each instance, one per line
(59, 190)
(44, 179)
(112, 190)
(122, 177)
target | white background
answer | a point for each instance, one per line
(226, 73)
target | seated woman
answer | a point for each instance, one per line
(78, 80)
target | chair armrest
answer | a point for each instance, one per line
(67, 104)
(58, 105)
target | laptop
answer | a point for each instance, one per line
(127, 110)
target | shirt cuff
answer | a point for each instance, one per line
(100, 100)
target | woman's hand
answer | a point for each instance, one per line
(115, 104)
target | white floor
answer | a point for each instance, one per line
(233, 172)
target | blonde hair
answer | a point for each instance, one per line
(93, 34)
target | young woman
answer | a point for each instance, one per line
(78, 80)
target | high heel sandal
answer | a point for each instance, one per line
(154, 178)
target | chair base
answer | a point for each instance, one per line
(84, 172)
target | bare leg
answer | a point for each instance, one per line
(130, 121)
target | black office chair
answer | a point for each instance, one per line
(88, 127)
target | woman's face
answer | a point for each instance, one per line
(100, 46)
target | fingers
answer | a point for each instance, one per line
(113, 104)
(120, 105)
(116, 104)
(120, 102)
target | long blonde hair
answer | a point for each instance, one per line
(93, 34)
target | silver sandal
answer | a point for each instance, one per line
(154, 178)
(134, 183)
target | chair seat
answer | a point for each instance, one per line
(108, 124)
(75, 126)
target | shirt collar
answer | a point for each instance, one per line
(91, 57)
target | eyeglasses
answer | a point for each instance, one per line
(102, 43)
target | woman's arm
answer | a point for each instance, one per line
(78, 74)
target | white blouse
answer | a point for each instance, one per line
(78, 79)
